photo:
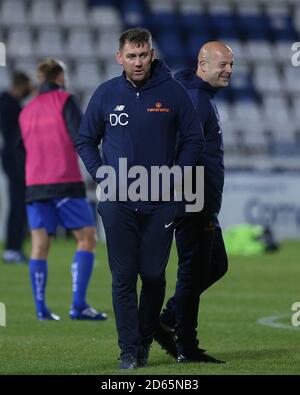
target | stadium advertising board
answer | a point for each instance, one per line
(263, 198)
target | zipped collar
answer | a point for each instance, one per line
(189, 79)
(48, 87)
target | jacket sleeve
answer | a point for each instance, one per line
(20, 155)
(90, 134)
(190, 133)
(72, 115)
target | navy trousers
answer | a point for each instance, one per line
(202, 262)
(138, 243)
(16, 220)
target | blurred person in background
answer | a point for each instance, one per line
(10, 108)
(55, 192)
(201, 251)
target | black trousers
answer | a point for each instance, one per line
(16, 221)
(138, 243)
(202, 262)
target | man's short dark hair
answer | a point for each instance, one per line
(137, 36)
(19, 79)
(49, 69)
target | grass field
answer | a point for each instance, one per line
(254, 288)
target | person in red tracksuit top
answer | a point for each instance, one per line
(55, 192)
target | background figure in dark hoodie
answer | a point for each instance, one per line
(10, 108)
(200, 246)
(138, 116)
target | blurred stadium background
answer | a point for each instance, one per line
(259, 111)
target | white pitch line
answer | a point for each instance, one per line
(270, 321)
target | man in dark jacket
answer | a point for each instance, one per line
(10, 108)
(200, 245)
(138, 117)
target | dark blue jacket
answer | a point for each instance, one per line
(202, 94)
(140, 124)
(10, 109)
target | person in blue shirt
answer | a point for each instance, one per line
(138, 117)
(201, 252)
(55, 192)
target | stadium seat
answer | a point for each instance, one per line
(107, 45)
(295, 109)
(240, 78)
(224, 26)
(86, 75)
(238, 49)
(43, 13)
(275, 109)
(172, 47)
(296, 18)
(20, 42)
(190, 7)
(282, 52)
(111, 70)
(27, 65)
(193, 42)
(133, 13)
(13, 13)
(105, 18)
(80, 44)
(246, 112)
(50, 43)
(291, 80)
(266, 78)
(4, 77)
(259, 51)
(194, 24)
(73, 13)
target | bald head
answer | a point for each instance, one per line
(215, 61)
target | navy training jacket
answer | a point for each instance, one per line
(140, 124)
(202, 94)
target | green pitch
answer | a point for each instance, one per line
(254, 288)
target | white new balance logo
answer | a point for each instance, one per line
(119, 107)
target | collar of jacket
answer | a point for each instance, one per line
(49, 86)
(159, 73)
(190, 80)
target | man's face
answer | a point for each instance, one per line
(136, 60)
(218, 68)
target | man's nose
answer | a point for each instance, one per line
(228, 68)
(137, 61)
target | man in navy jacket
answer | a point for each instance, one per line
(200, 246)
(138, 117)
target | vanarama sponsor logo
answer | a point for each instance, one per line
(158, 108)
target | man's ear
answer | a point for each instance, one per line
(152, 54)
(202, 65)
(119, 57)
